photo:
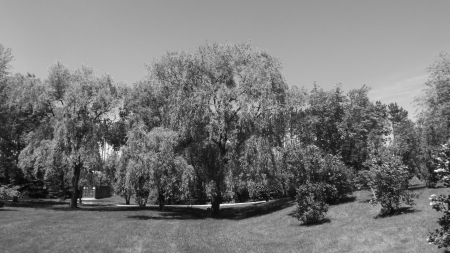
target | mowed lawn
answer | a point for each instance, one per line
(266, 227)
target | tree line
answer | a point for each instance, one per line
(217, 124)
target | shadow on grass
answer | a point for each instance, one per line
(346, 199)
(239, 213)
(323, 221)
(418, 187)
(170, 212)
(228, 212)
(36, 203)
(180, 213)
(365, 201)
(172, 215)
(400, 211)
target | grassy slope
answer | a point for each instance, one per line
(267, 227)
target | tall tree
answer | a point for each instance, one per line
(325, 114)
(434, 104)
(433, 118)
(363, 122)
(5, 58)
(151, 163)
(216, 98)
(22, 111)
(80, 101)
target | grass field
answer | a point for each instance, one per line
(50, 226)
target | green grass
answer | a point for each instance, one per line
(50, 226)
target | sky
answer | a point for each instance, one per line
(387, 45)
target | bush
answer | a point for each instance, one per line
(431, 180)
(311, 206)
(441, 161)
(142, 196)
(338, 177)
(312, 165)
(34, 189)
(440, 237)
(9, 192)
(389, 178)
(262, 191)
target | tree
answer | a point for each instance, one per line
(216, 99)
(45, 153)
(123, 175)
(388, 178)
(22, 111)
(79, 102)
(433, 119)
(5, 58)
(440, 236)
(405, 139)
(325, 114)
(151, 163)
(311, 165)
(311, 206)
(363, 122)
(397, 115)
(435, 101)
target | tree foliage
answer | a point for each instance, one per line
(78, 103)
(388, 178)
(149, 162)
(216, 99)
(311, 206)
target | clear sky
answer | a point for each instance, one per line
(387, 45)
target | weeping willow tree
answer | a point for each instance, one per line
(79, 102)
(150, 161)
(216, 99)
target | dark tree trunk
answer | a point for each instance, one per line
(75, 179)
(127, 196)
(7, 181)
(215, 205)
(161, 199)
(63, 188)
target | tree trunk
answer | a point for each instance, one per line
(161, 199)
(63, 189)
(215, 205)
(75, 179)
(7, 180)
(127, 196)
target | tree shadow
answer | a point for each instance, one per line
(173, 215)
(364, 201)
(400, 211)
(322, 221)
(423, 187)
(169, 212)
(239, 213)
(36, 203)
(346, 199)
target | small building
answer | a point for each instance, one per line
(97, 192)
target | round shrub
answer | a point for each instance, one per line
(389, 178)
(311, 206)
(313, 165)
(8, 192)
(142, 196)
(441, 236)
